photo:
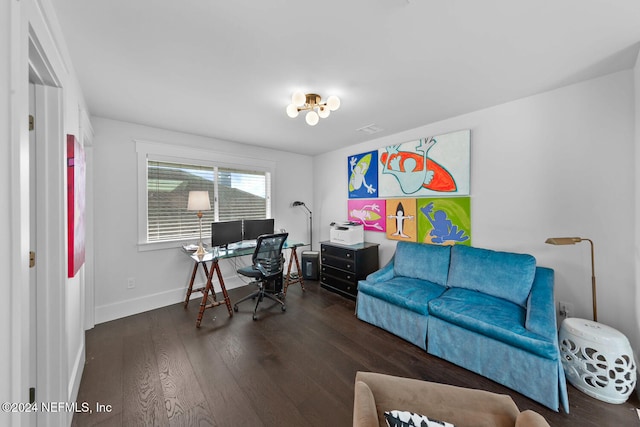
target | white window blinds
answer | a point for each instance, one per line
(234, 194)
(241, 194)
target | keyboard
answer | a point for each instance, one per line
(245, 244)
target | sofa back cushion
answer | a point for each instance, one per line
(504, 275)
(422, 261)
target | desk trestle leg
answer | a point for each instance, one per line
(204, 304)
(289, 281)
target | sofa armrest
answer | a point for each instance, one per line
(541, 310)
(459, 406)
(382, 275)
(364, 407)
(529, 418)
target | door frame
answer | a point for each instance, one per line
(36, 46)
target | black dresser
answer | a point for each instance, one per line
(344, 265)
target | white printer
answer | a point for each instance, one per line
(346, 233)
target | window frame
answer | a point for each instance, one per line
(158, 151)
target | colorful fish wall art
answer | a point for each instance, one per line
(363, 175)
(431, 166)
(369, 213)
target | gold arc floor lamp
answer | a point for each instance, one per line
(199, 201)
(573, 241)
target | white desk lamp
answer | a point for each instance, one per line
(199, 201)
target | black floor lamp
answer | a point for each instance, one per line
(299, 203)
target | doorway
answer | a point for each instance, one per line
(47, 350)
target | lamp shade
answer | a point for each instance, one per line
(292, 111)
(563, 240)
(199, 201)
(333, 102)
(312, 118)
(298, 99)
(324, 112)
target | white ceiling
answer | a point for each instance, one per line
(227, 69)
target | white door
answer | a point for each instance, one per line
(33, 342)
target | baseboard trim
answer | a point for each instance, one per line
(107, 312)
(76, 373)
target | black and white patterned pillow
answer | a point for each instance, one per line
(409, 419)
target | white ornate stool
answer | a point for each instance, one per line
(597, 359)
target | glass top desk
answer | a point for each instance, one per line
(213, 255)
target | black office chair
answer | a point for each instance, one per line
(268, 263)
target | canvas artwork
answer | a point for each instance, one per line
(432, 166)
(401, 220)
(76, 184)
(369, 213)
(362, 170)
(444, 220)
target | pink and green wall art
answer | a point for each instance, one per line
(369, 213)
(444, 220)
(431, 166)
(362, 170)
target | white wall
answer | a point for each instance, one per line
(161, 275)
(555, 164)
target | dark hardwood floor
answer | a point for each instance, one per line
(286, 369)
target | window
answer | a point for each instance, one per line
(236, 191)
(241, 194)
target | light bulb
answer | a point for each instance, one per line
(333, 102)
(324, 112)
(312, 118)
(298, 99)
(292, 111)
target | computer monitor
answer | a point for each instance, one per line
(226, 232)
(257, 227)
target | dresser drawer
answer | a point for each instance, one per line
(339, 285)
(347, 276)
(341, 263)
(338, 252)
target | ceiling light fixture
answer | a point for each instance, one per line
(312, 103)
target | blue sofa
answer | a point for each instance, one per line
(487, 311)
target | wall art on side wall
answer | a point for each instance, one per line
(76, 185)
(362, 170)
(401, 220)
(369, 213)
(444, 220)
(432, 166)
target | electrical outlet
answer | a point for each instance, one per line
(565, 309)
(131, 283)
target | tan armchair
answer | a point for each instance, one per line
(463, 407)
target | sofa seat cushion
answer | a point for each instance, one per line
(405, 292)
(422, 261)
(505, 275)
(493, 317)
